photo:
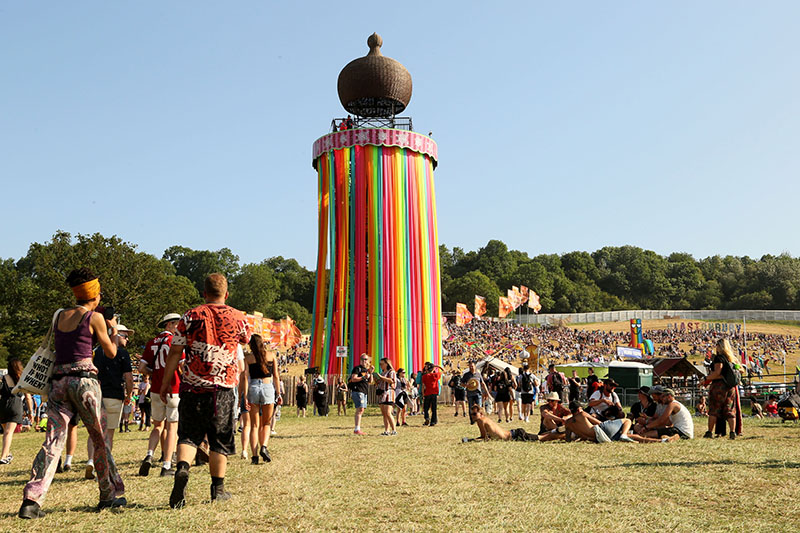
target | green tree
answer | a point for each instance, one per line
(254, 288)
(197, 264)
(284, 308)
(464, 289)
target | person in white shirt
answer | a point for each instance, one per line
(675, 420)
(604, 398)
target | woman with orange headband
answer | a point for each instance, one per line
(75, 389)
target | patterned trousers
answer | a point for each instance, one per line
(69, 395)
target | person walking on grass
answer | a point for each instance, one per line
(459, 392)
(430, 387)
(359, 382)
(210, 334)
(301, 397)
(74, 388)
(164, 415)
(116, 385)
(264, 379)
(387, 381)
(11, 407)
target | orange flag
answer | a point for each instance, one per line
(523, 290)
(463, 316)
(533, 302)
(513, 298)
(480, 306)
(505, 307)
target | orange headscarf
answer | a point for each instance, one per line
(87, 291)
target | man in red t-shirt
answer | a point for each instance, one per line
(430, 392)
(165, 415)
(210, 334)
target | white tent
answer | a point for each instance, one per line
(497, 364)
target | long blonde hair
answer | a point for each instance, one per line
(724, 348)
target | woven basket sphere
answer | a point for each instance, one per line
(374, 85)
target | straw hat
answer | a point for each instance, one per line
(472, 384)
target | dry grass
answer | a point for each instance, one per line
(325, 478)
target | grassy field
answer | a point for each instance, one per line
(323, 478)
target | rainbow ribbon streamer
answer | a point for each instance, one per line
(377, 222)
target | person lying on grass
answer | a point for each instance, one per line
(491, 431)
(583, 426)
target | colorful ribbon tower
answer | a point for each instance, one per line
(377, 224)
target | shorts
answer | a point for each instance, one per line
(521, 435)
(503, 397)
(127, 409)
(517, 395)
(199, 417)
(608, 431)
(113, 410)
(359, 399)
(527, 398)
(169, 411)
(668, 432)
(261, 392)
(460, 394)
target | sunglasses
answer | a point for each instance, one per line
(123, 335)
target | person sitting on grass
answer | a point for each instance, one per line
(701, 409)
(552, 414)
(586, 427)
(755, 409)
(771, 407)
(675, 420)
(490, 430)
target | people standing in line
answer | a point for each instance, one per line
(210, 334)
(477, 390)
(401, 397)
(144, 402)
(430, 391)
(459, 392)
(341, 397)
(164, 415)
(301, 396)
(116, 385)
(264, 378)
(74, 388)
(386, 383)
(358, 384)
(721, 396)
(11, 406)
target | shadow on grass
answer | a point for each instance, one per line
(770, 463)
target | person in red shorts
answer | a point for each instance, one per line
(210, 335)
(165, 415)
(430, 388)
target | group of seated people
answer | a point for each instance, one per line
(656, 417)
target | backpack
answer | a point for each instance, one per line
(731, 377)
(526, 382)
(558, 382)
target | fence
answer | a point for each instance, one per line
(646, 314)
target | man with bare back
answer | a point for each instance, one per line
(491, 431)
(586, 427)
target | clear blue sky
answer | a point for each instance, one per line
(674, 126)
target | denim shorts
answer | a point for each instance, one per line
(359, 399)
(261, 392)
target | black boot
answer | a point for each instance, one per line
(30, 509)
(178, 497)
(218, 492)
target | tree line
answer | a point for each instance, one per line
(143, 287)
(618, 278)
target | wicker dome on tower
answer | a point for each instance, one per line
(374, 85)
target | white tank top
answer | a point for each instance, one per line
(682, 420)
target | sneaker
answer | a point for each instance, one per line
(431, 425)
(219, 494)
(708, 435)
(144, 469)
(393, 434)
(427, 422)
(243, 455)
(527, 419)
(166, 472)
(6, 460)
(177, 498)
(264, 453)
(67, 467)
(358, 432)
(30, 509)
(625, 438)
(254, 460)
(112, 504)
(385, 434)
(732, 436)
(273, 432)
(89, 472)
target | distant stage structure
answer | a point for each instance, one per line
(377, 227)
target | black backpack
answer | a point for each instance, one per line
(558, 382)
(526, 382)
(731, 377)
